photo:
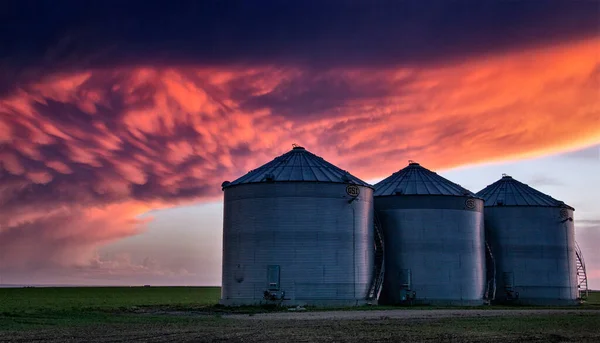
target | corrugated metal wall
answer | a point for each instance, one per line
(535, 248)
(322, 243)
(440, 239)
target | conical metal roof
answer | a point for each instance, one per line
(510, 192)
(416, 180)
(297, 165)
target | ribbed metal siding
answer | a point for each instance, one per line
(322, 243)
(441, 240)
(537, 245)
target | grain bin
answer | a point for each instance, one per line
(434, 239)
(533, 240)
(297, 231)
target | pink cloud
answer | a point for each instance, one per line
(59, 167)
(86, 152)
(39, 177)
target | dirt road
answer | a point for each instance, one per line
(405, 314)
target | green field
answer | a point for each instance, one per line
(38, 308)
(180, 314)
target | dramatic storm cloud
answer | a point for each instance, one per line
(110, 109)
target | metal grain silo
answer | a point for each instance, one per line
(434, 239)
(533, 241)
(297, 230)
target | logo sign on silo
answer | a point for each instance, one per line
(352, 190)
(470, 204)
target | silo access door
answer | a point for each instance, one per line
(273, 278)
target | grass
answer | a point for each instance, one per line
(107, 298)
(27, 308)
(593, 298)
(190, 313)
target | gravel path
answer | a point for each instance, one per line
(403, 314)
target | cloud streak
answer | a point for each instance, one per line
(44, 37)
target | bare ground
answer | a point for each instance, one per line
(452, 325)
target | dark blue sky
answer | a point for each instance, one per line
(95, 33)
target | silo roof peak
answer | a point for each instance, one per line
(297, 165)
(509, 192)
(418, 180)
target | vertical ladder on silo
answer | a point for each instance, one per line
(490, 292)
(582, 282)
(379, 268)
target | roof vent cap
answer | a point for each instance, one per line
(297, 147)
(412, 163)
(225, 184)
(269, 177)
(506, 176)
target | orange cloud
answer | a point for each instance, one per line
(84, 153)
(497, 108)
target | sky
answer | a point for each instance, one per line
(119, 121)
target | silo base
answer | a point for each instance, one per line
(298, 302)
(439, 302)
(537, 302)
(450, 302)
